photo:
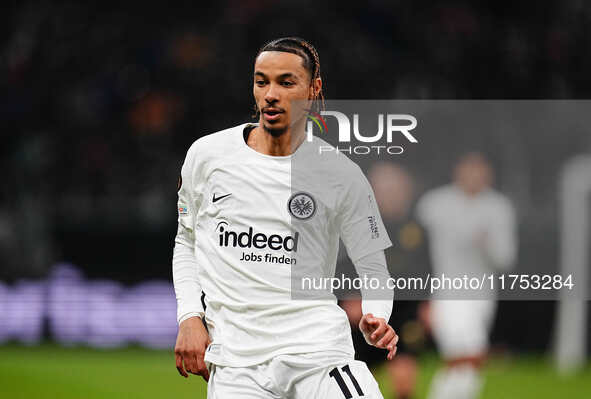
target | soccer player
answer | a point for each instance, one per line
(471, 232)
(257, 206)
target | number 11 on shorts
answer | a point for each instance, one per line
(335, 373)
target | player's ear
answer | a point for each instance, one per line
(316, 87)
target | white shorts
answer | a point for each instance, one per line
(461, 327)
(294, 377)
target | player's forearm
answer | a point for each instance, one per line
(501, 243)
(186, 283)
(502, 252)
(377, 301)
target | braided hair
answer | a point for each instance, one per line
(304, 49)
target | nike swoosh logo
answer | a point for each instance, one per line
(216, 199)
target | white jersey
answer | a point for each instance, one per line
(468, 235)
(473, 236)
(255, 222)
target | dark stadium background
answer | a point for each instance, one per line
(99, 104)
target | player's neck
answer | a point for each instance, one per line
(283, 145)
(469, 191)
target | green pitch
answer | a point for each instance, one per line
(49, 371)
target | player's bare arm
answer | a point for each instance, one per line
(191, 344)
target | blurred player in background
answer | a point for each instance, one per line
(241, 206)
(472, 232)
(408, 257)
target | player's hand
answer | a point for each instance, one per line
(379, 333)
(191, 344)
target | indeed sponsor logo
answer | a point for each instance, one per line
(252, 239)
